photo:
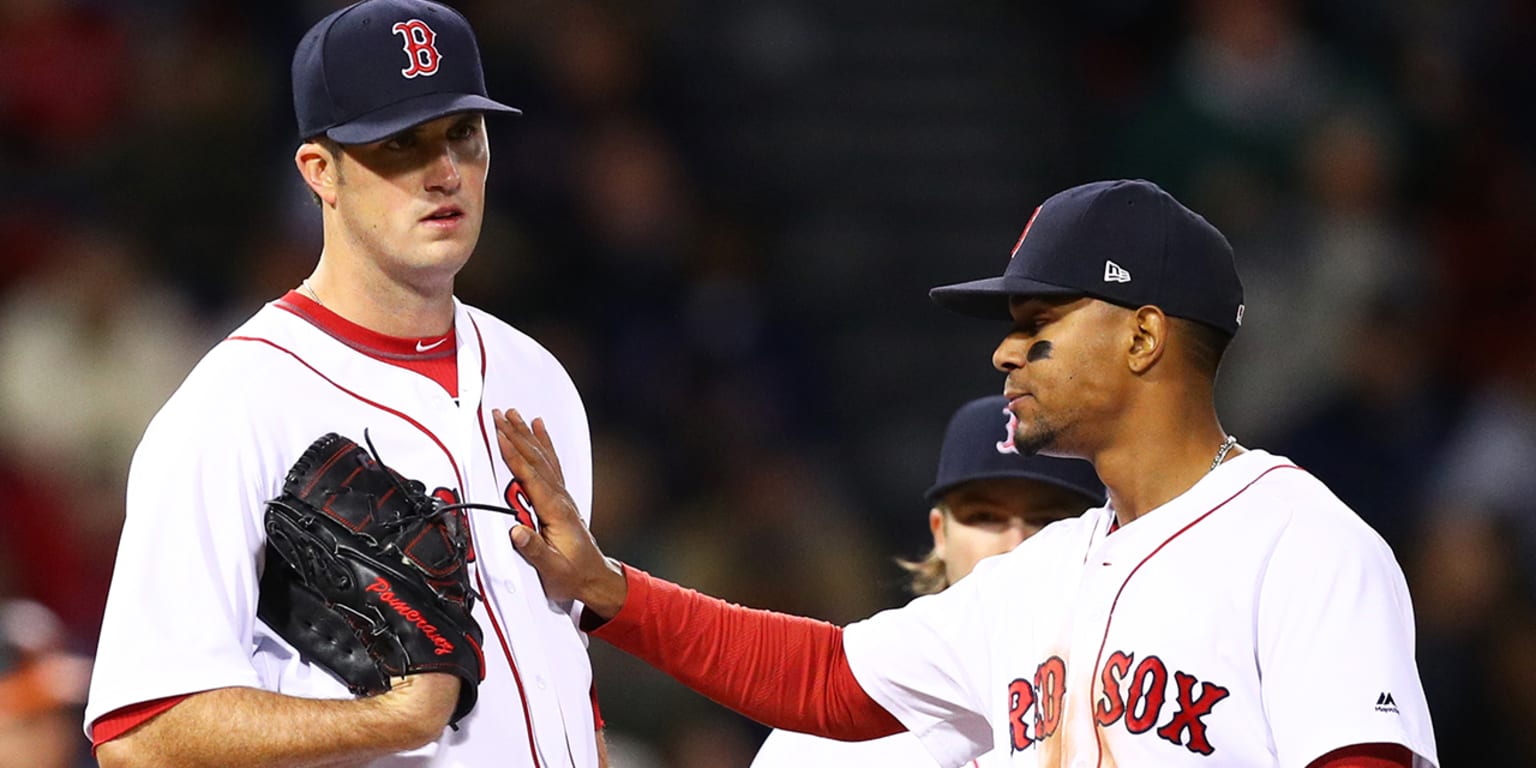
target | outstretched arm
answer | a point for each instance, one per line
(783, 671)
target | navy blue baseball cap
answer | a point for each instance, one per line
(1126, 242)
(978, 445)
(378, 67)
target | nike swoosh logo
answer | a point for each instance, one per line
(428, 347)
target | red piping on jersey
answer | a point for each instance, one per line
(1098, 738)
(485, 439)
(506, 649)
(418, 425)
(527, 716)
(480, 340)
(596, 713)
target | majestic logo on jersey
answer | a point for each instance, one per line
(1034, 706)
(1145, 697)
(1114, 273)
(517, 499)
(1006, 444)
(420, 46)
(1024, 234)
(1384, 703)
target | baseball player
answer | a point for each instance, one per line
(985, 500)
(1224, 608)
(390, 99)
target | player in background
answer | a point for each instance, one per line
(985, 499)
(42, 688)
(390, 100)
(1224, 609)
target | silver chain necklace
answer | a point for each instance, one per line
(304, 284)
(1226, 446)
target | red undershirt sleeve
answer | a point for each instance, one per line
(780, 670)
(1367, 756)
(120, 721)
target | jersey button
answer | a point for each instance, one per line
(509, 585)
(540, 682)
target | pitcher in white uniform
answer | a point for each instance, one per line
(985, 499)
(390, 100)
(1224, 609)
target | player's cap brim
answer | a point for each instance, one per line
(382, 123)
(1080, 486)
(987, 298)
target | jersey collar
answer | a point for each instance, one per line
(368, 341)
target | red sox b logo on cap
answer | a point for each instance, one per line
(1006, 445)
(420, 46)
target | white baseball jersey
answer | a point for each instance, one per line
(181, 614)
(789, 749)
(1252, 621)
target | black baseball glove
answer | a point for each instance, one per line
(366, 576)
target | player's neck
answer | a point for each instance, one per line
(1160, 459)
(370, 299)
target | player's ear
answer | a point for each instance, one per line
(1149, 338)
(936, 527)
(320, 168)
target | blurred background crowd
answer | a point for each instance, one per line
(724, 217)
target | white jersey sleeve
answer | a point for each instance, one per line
(930, 663)
(919, 663)
(1336, 640)
(184, 586)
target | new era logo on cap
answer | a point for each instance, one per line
(1114, 273)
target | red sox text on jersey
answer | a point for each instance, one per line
(1131, 694)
